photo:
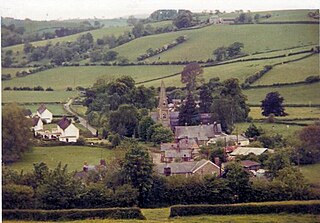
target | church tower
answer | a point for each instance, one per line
(163, 108)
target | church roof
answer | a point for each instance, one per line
(200, 132)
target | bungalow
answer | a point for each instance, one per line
(44, 114)
(247, 150)
(37, 124)
(202, 167)
(68, 131)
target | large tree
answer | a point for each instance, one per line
(191, 75)
(189, 114)
(183, 20)
(137, 168)
(272, 104)
(16, 133)
(206, 99)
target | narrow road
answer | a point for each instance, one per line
(83, 122)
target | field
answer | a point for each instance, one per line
(291, 72)
(312, 173)
(287, 15)
(74, 156)
(56, 109)
(294, 113)
(161, 215)
(36, 96)
(300, 94)
(79, 109)
(202, 42)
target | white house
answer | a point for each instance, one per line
(44, 114)
(37, 124)
(68, 131)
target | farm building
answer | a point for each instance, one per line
(44, 114)
(68, 131)
(247, 150)
(37, 124)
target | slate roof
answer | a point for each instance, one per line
(35, 120)
(26, 112)
(249, 163)
(175, 153)
(200, 132)
(42, 108)
(64, 123)
(247, 150)
(180, 168)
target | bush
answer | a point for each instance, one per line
(72, 214)
(38, 88)
(17, 196)
(304, 207)
(49, 89)
(69, 89)
(312, 79)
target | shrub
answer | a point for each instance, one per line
(69, 89)
(72, 214)
(312, 79)
(38, 88)
(49, 89)
(17, 196)
(304, 207)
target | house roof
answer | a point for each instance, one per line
(248, 150)
(42, 108)
(35, 120)
(64, 123)
(200, 132)
(249, 163)
(183, 167)
(174, 153)
(26, 112)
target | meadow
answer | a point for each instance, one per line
(74, 156)
(202, 42)
(291, 72)
(312, 173)
(56, 109)
(300, 94)
(22, 97)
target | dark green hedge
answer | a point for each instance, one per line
(72, 214)
(303, 207)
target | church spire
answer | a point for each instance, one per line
(163, 101)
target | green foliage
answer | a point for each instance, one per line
(302, 207)
(144, 125)
(116, 140)
(252, 131)
(16, 133)
(206, 99)
(189, 114)
(17, 196)
(74, 214)
(162, 135)
(191, 75)
(272, 104)
(183, 20)
(309, 150)
(277, 161)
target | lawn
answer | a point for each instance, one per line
(292, 72)
(160, 215)
(202, 42)
(36, 96)
(62, 77)
(300, 94)
(270, 128)
(312, 173)
(74, 156)
(294, 112)
(79, 109)
(56, 109)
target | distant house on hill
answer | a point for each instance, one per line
(44, 114)
(83, 175)
(202, 167)
(37, 124)
(68, 131)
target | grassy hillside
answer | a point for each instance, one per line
(294, 113)
(56, 109)
(36, 96)
(287, 15)
(202, 42)
(292, 72)
(74, 156)
(301, 94)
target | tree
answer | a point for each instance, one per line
(137, 168)
(189, 114)
(220, 53)
(162, 135)
(16, 133)
(132, 20)
(206, 99)
(272, 104)
(277, 161)
(110, 56)
(234, 49)
(144, 125)
(309, 148)
(252, 131)
(191, 74)
(138, 30)
(28, 47)
(244, 18)
(183, 20)
(256, 18)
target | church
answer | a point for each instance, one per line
(168, 116)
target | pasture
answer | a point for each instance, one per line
(300, 94)
(22, 97)
(74, 156)
(291, 72)
(202, 42)
(56, 109)
(312, 173)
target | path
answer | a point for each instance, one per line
(83, 122)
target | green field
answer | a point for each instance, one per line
(291, 72)
(161, 215)
(287, 15)
(79, 109)
(202, 42)
(312, 173)
(300, 94)
(13, 71)
(294, 113)
(37, 96)
(270, 128)
(74, 156)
